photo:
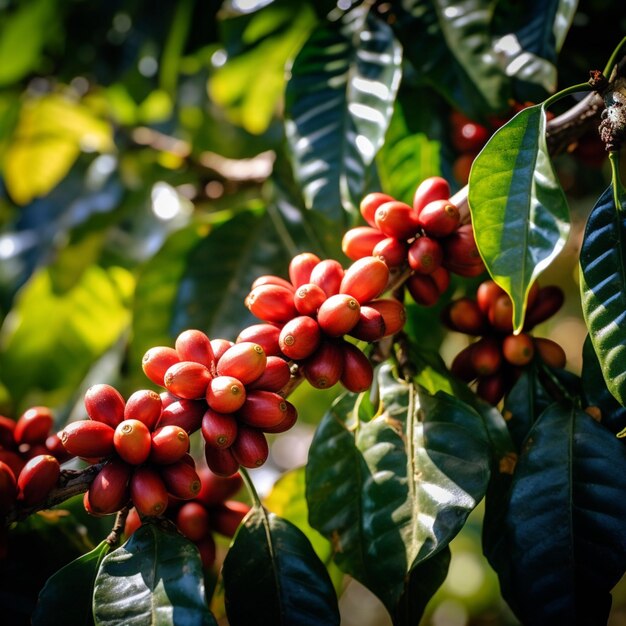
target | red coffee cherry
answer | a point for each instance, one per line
(219, 430)
(291, 417)
(425, 255)
(308, 298)
(169, 444)
(7, 428)
(221, 461)
(148, 491)
(365, 279)
(268, 279)
(462, 166)
(193, 521)
(328, 275)
(37, 479)
(397, 219)
(548, 301)
(194, 345)
(486, 294)
(461, 254)
(518, 349)
(393, 313)
(323, 369)
(371, 325)
(370, 203)
(464, 315)
(338, 315)
(216, 489)
(360, 241)
(276, 375)
(187, 380)
(144, 405)
(300, 268)
(184, 413)
(299, 337)
(220, 346)
(271, 303)
(550, 352)
(486, 356)
(358, 373)
(266, 335)
(13, 460)
(429, 190)
(469, 137)
(441, 276)
(88, 439)
(225, 394)
(245, 361)
(167, 398)
(133, 522)
(501, 314)
(250, 448)
(423, 289)
(156, 361)
(54, 446)
(439, 218)
(105, 404)
(226, 517)
(206, 548)
(34, 425)
(491, 388)
(391, 251)
(109, 490)
(8, 488)
(132, 441)
(462, 366)
(263, 409)
(181, 480)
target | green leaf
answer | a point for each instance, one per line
(519, 211)
(338, 105)
(603, 288)
(69, 591)
(273, 576)
(154, 578)
(562, 537)
(391, 492)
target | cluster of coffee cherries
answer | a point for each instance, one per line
(30, 458)
(306, 318)
(428, 237)
(495, 360)
(211, 511)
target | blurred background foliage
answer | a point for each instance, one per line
(146, 179)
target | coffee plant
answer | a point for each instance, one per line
(297, 299)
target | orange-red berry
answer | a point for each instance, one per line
(194, 345)
(429, 190)
(37, 479)
(88, 439)
(339, 314)
(299, 337)
(300, 268)
(34, 425)
(187, 380)
(132, 441)
(219, 429)
(245, 361)
(148, 491)
(104, 404)
(169, 444)
(156, 361)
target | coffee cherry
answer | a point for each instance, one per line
(181, 480)
(491, 388)
(461, 254)
(88, 439)
(37, 479)
(358, 373)
(221, 461)
(501, 314)
(328, 275)
(518, 349)
(365, 279)
(244, 361)
(219, 430)
(299, 337)
(225, 394)
(167, 398)
(470, 137)
(550, 352)
(34, 425)
(425, 255)
(220, 346)
(192, 519)
(324, 367)
(268, 279)
(338, 315)
(54, 446)
(156, 361)
(486, 295)
(360, 241)
(423, 289)
(148, 491)
(441, 277)
(371, 325)
(300, 268)
(132, 441)
(271, 303)
(187, 380)
(207, 549)
(144, 405)
(370, 203)
(13, 460)
(194, 345)
(308, 298)
(393, 313)
(133, 522)
(391, 251)
(216, 489)
(7, 428)
(429, 190)
(250, 448)
(226, 517)
(464, 316)
(548, 301)
(8, 488)
(462, 366)
(104, 404)
(266, 335)
(169, 444)
(396, 219)
(109, 490)
(263, 409)
(291, 417)
(184, 413)
(439, 218)
(486, 356)
(276, 375)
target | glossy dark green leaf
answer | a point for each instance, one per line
(273, 576)
(519, 211)
(154, 578)
(603, 288)
(339, 100)
(391, 492)
(69, 591)
(561, 541)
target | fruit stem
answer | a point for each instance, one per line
(115, 536)
(608, 68)
(618, 188)
(254, 495)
